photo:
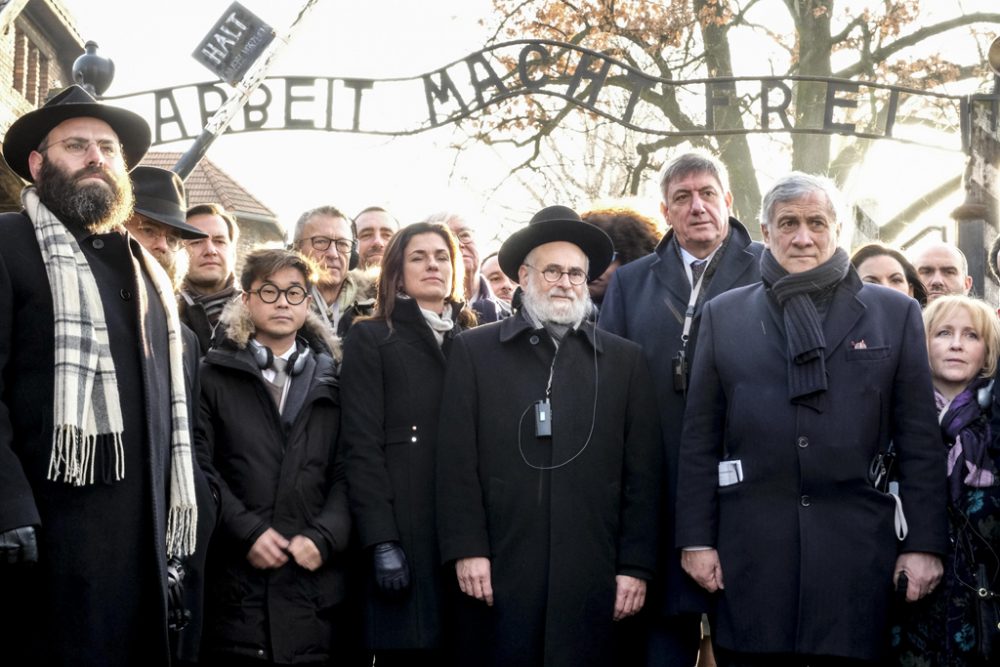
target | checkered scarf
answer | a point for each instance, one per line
(86, 407)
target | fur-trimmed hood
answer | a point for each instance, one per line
(239, 328)
(359, 288)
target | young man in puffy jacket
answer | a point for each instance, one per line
(268, 431)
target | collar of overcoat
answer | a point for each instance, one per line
(516, 325)
(407, 312)
(669, 271)
(842, 316)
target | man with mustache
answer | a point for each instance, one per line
(96, 476)
(549, 463)
(324, 234)
(157, 222)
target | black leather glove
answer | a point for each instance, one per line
(392, 574)
(177, 615)
(18, 545)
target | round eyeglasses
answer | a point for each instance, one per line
(77, 146)
(269, 293)
(553, 274)
(148, 234)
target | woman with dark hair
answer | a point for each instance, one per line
(633, 235)
(391, 383)
(957, 623)
(880, 265)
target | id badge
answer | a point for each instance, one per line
(730, 472)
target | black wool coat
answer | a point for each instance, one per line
(281, 471)
(806, 543)
(98, 592)
(645, 303)
(556, 538)
(392, 382)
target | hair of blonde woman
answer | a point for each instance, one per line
(984, 320)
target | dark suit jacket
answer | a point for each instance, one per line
(645, 303)
(806, 543)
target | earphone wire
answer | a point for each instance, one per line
(548, 390)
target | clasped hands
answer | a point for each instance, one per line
(271, 550)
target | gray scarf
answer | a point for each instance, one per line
(86, 408)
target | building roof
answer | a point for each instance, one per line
(210, 184)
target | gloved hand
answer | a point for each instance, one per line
(392, 574)
(18, 545)
(177, 615)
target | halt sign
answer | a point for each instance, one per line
(234, 44)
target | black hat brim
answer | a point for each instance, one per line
(592, 240)
(27, 132)
(165, 213)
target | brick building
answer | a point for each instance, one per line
(39, 42)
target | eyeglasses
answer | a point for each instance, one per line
(77, 146)
(321, 243)
(554, 274)
(152, 233)
(464, 236)
(269, 293)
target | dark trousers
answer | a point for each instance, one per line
(652, 640)
(726, 658)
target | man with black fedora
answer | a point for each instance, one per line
(548, 463)
(158, 219)
(158, 224)
(96, 475)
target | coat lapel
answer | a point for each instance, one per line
(845, 311)
(669, 271)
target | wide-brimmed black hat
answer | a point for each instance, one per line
(28, 131)
(159, 195)
(557, 223)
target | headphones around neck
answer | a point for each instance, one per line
(355, 258)
(265, 358)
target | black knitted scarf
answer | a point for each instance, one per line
(803, 328)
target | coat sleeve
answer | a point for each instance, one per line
(642, 477)
(330, 530)
(17, 501)
(369, 488)
(701, 446)
(461, 512)
(612, 317)
(917, 437)
(235, 519)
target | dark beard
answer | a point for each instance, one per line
(91, 206)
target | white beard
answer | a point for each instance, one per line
(548, 310)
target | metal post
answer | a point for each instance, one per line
(976, 218)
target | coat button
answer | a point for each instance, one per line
(413, 439)
(97, 243)
(533, 340)
(802, 441)
(260, 653)
(414, 427)
(125, 295)
(805, 501)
